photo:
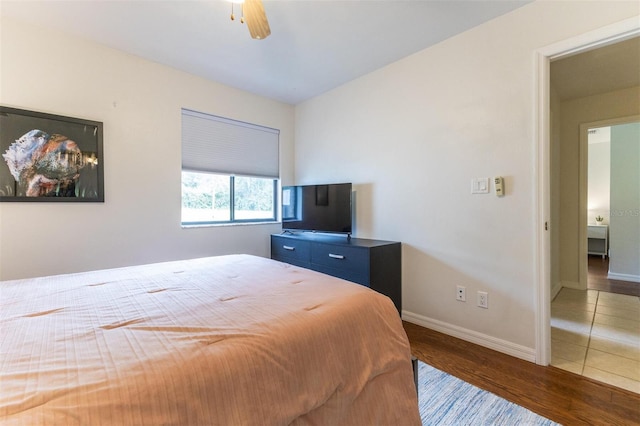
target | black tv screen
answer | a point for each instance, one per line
(320, 208)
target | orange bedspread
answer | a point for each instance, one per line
(226, 340)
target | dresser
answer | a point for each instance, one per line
(598, 239)
(373, 263)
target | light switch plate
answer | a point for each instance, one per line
(480, 185)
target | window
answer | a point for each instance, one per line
(214, 198)
(229, 171)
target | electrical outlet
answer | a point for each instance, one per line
(461, 293)
(483, 299)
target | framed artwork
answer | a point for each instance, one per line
(45, 157)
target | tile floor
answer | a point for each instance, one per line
(597, 335)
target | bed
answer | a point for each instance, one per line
(230, 340)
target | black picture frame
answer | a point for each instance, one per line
(50, 158)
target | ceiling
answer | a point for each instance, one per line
(601, 70)
(315, 45)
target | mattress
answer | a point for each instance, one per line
(230, 340)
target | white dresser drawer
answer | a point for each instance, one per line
(597, 231)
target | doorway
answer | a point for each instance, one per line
(596, 88)
(543, 164)
(578, 340)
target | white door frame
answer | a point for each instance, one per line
(542, 251)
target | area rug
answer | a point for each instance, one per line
(447, 400)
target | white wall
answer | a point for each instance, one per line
(599, 177)
(554, 189)
(625, 202)
(139, 103)
(412, 135)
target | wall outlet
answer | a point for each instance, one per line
(461, 293)
(483, 299)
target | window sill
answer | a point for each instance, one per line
(216, 225)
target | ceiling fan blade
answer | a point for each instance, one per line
(256, 19)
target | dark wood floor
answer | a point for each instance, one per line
(556, 394)
(597, 279)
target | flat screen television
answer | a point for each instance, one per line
(318, 208)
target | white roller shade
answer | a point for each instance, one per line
(222, 145)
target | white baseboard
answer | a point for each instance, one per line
(623, 277)
(509, 348)
(572, 284)
(555, 289)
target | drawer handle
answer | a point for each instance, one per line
(288, 248)
(336, 256)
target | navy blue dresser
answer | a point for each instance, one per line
(372, 263)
